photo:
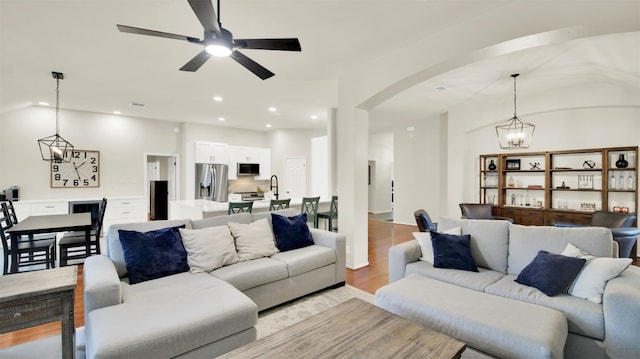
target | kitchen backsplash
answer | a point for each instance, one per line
(248, 184)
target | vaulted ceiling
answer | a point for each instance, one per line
(105, 70)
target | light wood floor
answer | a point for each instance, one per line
(382, 235)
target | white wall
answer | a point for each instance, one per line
(122, 142)
(285, 143)
(381, 152)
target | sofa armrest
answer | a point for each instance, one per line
(621, 313)
(337, 242)
(101, 284)
(399, 256)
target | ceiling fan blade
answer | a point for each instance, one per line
(196, 62)
(139, 31)
(251, 65)
(206, 14)
(291, 44)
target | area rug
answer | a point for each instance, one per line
(285, 315)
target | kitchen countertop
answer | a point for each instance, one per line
(201, 208)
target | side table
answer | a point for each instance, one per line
(33, 298)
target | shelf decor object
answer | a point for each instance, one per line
(621, 162)
(54, 147)
(514, 133)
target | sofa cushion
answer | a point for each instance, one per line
(288, 212)
(291, 232)
(253, 240)
(249, 274)
(306, 259)
(114, 247)
(194, 310)
(526, 241)
(584, 317)
(452, 251)
(209, 248)
(590, 282)
(244, 218)
(426, 247)
(489, 240)
(551, 273)
(153, 254)
(472, 280)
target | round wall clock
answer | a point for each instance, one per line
(82, 171)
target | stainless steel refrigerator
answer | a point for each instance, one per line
(211, 182)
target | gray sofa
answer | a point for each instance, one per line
(196, 315)
(441, 298)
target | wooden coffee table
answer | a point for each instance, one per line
(354, 329)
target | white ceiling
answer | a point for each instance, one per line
(105, 70)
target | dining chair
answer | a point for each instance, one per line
(240, 207)
(277, 204)
(331, 215)
(480, 211)
(11, 211)
(29, 253)
(423, 220)
(73, 244)
(310, 207)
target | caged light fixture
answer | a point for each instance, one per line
(54, 148)
(514, 133)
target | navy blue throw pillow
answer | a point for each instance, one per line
(551, 273)
(452, 251)
(291, 232)
(153, 254)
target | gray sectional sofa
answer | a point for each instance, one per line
(496, 315)
(196, 315)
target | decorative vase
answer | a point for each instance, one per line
(621, 162)
(492, 166)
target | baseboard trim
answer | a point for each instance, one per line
(362, 265)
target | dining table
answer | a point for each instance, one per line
(49, 223)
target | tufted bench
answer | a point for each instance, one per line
(499, 326)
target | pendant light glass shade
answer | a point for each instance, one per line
(515, 133)
(54, 147)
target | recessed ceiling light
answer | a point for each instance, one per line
(440, 88)
(314, 117)
(268, 125)
(221, 119)
(117, 113)
(217, 98)
(272, 109)
(43, 103)
(136, 104)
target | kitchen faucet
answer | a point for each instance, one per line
(272, 186)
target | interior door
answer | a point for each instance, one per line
(295, 181)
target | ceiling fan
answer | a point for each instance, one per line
(218, 41)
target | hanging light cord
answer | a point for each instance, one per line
(57, 105)
(514, 96)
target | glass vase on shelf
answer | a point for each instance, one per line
(630, 181)
(621, 181)
(511, 182)
(612, 181)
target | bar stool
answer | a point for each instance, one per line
(331, 215)
(239, 207)
(277, 204)
(310, 207)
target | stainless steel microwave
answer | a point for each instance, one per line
(248, 169)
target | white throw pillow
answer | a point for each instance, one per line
(597, 271)
(208, 248)
(254, 240)
(424, 239)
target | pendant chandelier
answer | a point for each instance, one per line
(514, 133)
(54, 147)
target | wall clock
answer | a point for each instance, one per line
(82, 171)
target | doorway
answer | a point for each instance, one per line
(161, 167)
(295, 180)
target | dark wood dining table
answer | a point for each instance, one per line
(50, 223)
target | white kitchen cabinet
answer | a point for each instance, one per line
(124, 210)
(211, 152)
(248, 155)
(265, 164)
(233, 164)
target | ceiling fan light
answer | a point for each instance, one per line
(218, 50)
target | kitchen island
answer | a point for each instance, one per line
(201, 208)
